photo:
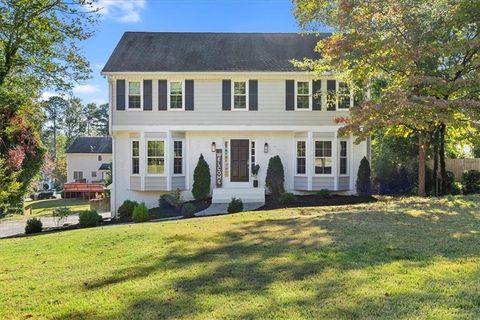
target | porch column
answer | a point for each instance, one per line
(309, 154)
(168, 156)
(335, 161)
(142, 159)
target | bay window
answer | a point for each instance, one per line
(177, 157)
(155, 157)
(323, 157)
(135, 157)
(301, 157)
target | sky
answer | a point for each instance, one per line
(118, 16)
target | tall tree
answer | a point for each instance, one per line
(74, 120)
(426, 54)
(100, 121)
(89, 115)
(55, 110)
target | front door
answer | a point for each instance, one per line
(239, 160)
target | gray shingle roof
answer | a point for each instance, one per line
(91, 145)
(204, 51)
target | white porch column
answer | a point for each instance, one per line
(143, 159)
(310, 153)
(169, 160)
(335, 161)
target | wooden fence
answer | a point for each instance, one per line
(458, 166)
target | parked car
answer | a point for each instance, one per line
(44, 194)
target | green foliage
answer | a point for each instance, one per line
(89, 218)
(201, 180)
(324, 194)
(188, 210)
(60, 214)
(171, 200)
(140, 213)
(364, 184)
(33, 225)
(452, 187)
(471, 181)
(287, 198)
(125, 211)
(275, 176)
(236, 205)
(109, 174)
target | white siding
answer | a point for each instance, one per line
(87, 163)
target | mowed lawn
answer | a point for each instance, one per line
(42, 208)
(394, 259)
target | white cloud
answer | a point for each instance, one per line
(85, 89)
(127, 11)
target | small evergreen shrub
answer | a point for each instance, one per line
(140, 213)
(324, 193)
(171, 200)
(201, 180)
(287, 198)
(188, 210)
(89, 218)
(364, 184)
(125, 211)
(471, 182)
(275, 176)
(60, 214)
(236, 205)
(452, 187)
(33, 225)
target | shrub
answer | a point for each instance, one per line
(89, 218)
(236, 205)
(201, 180)
(125, 211)
(33, 225)
(324, 193)
(364, 184)
(60, 214)
(287, 198)
(275, 177)
(140, 213)
(471, 181)
(452, 187)
(188, 210)
(171, 200)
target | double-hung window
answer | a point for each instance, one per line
(343, 96)
(301, 157)
(239, 95)
(177, 157)
(155, 157)
(323, 157)
(134, 95)
(77, 175)
(135, 157)
(176, 95)
(343, 157)
(303, 95)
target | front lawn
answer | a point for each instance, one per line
(393, 259)
(43, 208)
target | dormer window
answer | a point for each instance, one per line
(176, 95)
(303, 95)
(239, 95)
(134, 95)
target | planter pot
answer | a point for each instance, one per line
(255, 183)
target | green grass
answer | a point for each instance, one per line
(396, 259)
(42, 208)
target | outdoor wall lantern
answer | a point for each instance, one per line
(265, 148)
(214, 147)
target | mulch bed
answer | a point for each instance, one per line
(158, 213)
(316, 201)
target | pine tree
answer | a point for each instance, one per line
(275, 176)
(364, 184)
(201, 180)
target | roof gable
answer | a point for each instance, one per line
(91, 145)
(183, 52)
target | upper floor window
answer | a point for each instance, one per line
(323, 157)
(301, 157)
(155, 157)
(239, 95)
(176, 95)
(177, 157)
(135, 157)
(99, 158)
(134, 95)
(343, 96)
(303, 95)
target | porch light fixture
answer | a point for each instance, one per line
(214, 147)
(265, 148)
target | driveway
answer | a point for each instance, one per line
(13, 227)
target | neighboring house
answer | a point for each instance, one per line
(88, 159)
(237, 99)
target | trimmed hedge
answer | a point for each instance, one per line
(89, 218)
(33, 225)
(140, 213)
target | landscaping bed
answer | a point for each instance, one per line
(170, 211)
(315, 200)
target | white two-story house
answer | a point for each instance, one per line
(237, 99)
(88, 159)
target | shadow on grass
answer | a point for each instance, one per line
(317, 256)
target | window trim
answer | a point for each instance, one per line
(332, 157)
(164, 174)
(247, 93)
(169, 94)
(340, 157)
(131, 157)
(183, 158)
(310, 95)
(305, 157)
(127, 95)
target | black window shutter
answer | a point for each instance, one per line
(226, 95)
(189, 100)
(147, 94)
(162, 94)
(317, 95)
(289, 95)
(253, 95)
(331, 92)
(120, 94)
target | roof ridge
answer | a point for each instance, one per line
(215, 32)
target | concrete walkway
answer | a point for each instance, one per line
(221, 208)
(14, 227)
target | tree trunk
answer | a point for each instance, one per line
(441, 151)
(422, 162)
(435, 167)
